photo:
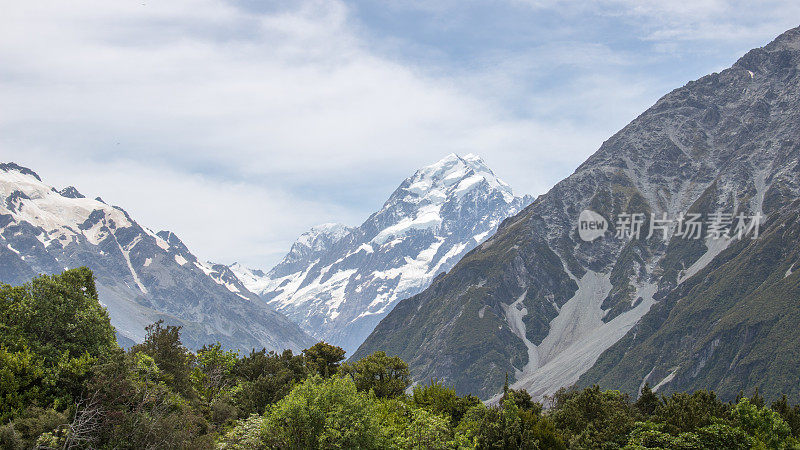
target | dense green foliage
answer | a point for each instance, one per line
(323, 358)
(385, 376)
(64, 383)
(52, 332)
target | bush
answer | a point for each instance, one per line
(246, 435)
(504, 426)
(10, 439)
(33, 421)
(425, 430)
(721, 435)
(592, 417)
(139, 410)
(264, 378)
(323, 359)
(791, 414)
(323, 413)
(683, 412)
(21, 381)
(213, 369)
(440, 399)
(52, 332)
(386, 376)
(765, 425)
(163, 344)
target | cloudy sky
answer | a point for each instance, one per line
(239, 124)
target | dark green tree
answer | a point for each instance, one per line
(266, 378)
(791, 414)
(163, 344)
(52, 332)
(135, 408)
(647, 402)
(764, 424)
(56, 314)
(323, 358)
(387, 376)
(507, 427)
(440, 399)
(323, 413)
(682, 412)
(591, 417)
(522, 399)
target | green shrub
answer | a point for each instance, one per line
(440, 399)
(52, 331)
(386, 376)
(10, 439)
(763, 424)
(21, 381)
(323, 413)
(591, 418)
(683, 412)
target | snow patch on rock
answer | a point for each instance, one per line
(666, 380)
(715, 247)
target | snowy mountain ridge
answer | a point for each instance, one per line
(142, 276)
(338, 282)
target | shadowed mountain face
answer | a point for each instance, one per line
(541, 304)
(338, 282)
(141, 276)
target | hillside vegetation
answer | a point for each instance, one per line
(65, 383)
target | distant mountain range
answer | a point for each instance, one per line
(338, 282)
(141, 276)
(470, 283)
(550, 309)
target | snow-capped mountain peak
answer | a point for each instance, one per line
(320, 237)
(255, 280)
(453, 175)
(141, 276)
(423, 200)
(338, 282)
(11, 167)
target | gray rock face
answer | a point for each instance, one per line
(141, 276)
(338, 282)
(732, 327)
(538, 302)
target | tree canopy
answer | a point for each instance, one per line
(65, 383)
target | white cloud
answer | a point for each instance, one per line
(221, 220)
(238, 129)
(131, 100)
(298, 96)
(731, 21)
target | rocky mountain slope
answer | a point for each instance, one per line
(338, 282)
(142, 276)
(541, 304)
(731, 327)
